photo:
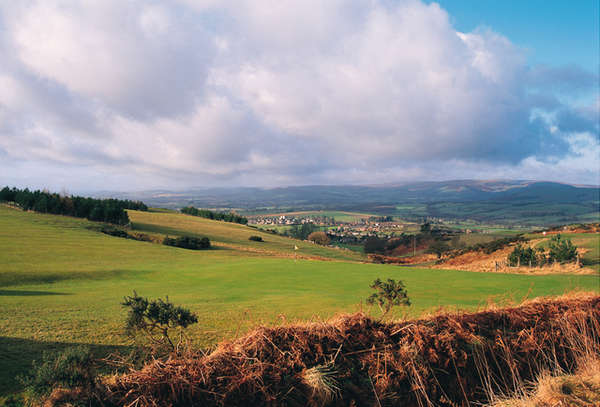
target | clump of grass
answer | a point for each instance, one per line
(322, 382)
(581, 389)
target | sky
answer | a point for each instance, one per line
(132, 95)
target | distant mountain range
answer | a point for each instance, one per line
(530, 202)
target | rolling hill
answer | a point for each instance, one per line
(510, 202)
(62, 281)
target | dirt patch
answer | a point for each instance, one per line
(446, 360)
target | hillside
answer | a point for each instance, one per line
(524, 202)
(61, 282)
(234, 237)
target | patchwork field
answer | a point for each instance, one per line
(61, 282)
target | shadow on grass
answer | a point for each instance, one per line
(9, 278)
(590, 262)
(17, 356)
(24, 293)
(169, 231)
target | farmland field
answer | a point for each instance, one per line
(61, 281)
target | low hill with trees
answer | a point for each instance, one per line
(101, 210)
(208, 214)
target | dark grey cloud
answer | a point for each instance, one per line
(151, 93)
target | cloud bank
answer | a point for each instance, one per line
(111, 94)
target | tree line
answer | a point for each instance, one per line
(100, 210)
(208, 214)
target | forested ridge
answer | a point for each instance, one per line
(101, 210)
(205, 213)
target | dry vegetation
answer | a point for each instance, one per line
(496, 262)
(569, 390)
(444, 360)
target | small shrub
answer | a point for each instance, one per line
(70, 369)
(188, 242)
(255, 238)
(156, 318)
(319, 238)
(388, 294)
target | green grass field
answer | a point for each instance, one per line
(61, 282)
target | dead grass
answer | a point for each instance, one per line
(444, 360)
(577, 390)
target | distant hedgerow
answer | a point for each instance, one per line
(255, 238)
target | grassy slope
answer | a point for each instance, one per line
(232, 236)
(62, 283)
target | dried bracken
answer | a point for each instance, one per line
(444, 360)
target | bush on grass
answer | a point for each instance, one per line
(320, 238)
(156, 319)
(188, 242)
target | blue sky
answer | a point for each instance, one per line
(554, 32)
(157, 94)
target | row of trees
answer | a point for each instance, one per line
(101, 210)
(208, 214)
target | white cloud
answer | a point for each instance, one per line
(279, 92)
(132, 57)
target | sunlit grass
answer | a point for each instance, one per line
(62, 282)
